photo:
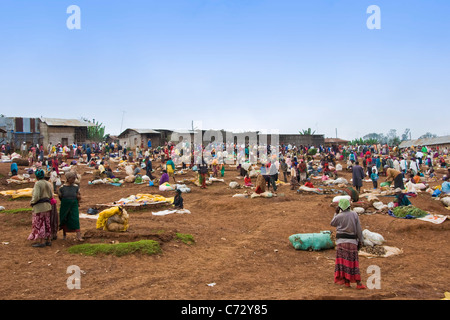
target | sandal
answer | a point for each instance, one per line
(48, 243)
(361, 286)
(38, 245)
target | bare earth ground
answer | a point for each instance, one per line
(241, 245)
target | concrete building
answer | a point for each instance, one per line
(301, 140)
(18, 130)
(64, 131)
(335, 142)
(132, 138)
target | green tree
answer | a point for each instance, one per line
(307, 132)
(97, 132)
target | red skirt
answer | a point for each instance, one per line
(347, 263)
(41, 226)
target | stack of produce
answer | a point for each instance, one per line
(410, 212)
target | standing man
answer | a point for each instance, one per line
(284, 169)
(357, 176)
(149, 144)
(23, 149)
(273, 172)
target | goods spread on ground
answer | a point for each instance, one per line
(139, 200)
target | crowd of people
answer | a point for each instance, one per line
(291, 164)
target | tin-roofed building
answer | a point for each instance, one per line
(64, 131)
(440, 142)
(132, 138)
(19, 130)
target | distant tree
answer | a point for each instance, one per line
(428, 135)
(307, 132)
(392, 138)
(373, 138)
(406, 135)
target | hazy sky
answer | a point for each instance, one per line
(284, 65)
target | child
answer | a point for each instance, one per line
(294, 181)
(222, 170)
(431, 174)
(178, 200)
(55, 180)
(248, 181)
(374, 177)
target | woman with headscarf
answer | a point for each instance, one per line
(164, 178)
(349, 238)
(42, 208)
(69, 194)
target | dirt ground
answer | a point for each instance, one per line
(241, 249)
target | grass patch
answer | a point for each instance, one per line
(185, 238)
(17, 210)
(148, 247)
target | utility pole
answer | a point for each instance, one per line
(123, 113)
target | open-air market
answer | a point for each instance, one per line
(272, 219)
(198, 155)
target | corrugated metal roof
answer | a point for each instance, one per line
(425, 142)
(335, 140)
(54, 122)
(143, 131)
(139, 131)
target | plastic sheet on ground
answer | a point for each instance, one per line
(390, 251)
(166, 212)
(336, 181)
(434, 218)
(166, 187)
